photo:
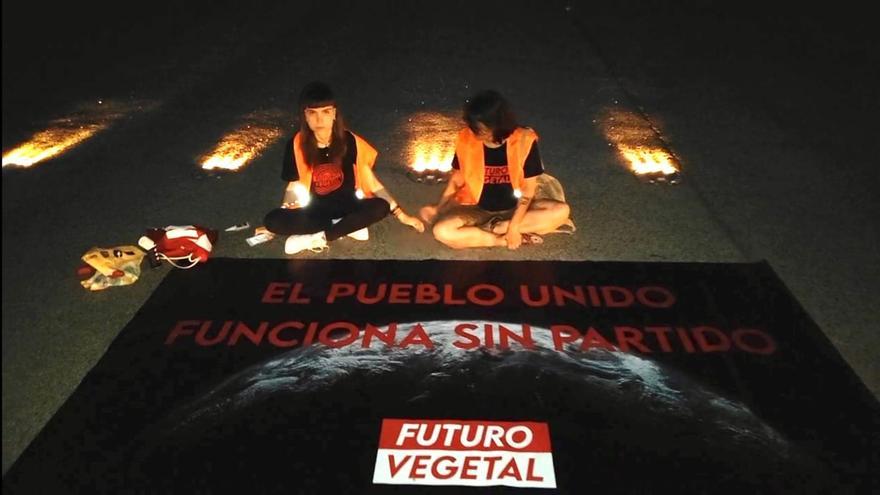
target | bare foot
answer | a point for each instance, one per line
(428, 213)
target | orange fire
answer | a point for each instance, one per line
(48, 143)
(431, 141)
(239, 147)
(65, 133)
(242, 145)
(639, 143)
(648, 161)
(431, 157)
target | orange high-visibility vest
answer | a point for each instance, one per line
(364, 179)
(471, 161)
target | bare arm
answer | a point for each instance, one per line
(513, 235)
(396, 210)
(456, 182)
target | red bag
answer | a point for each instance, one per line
(183, 246)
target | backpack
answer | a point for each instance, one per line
(183, 246)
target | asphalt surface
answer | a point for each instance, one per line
(772, 116)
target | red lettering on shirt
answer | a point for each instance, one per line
(497, 175)
(326, 178)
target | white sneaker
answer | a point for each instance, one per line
(360, 235)
(316, 243)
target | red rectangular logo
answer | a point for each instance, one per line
(472, 453)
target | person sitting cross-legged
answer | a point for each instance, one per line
(490, 198)
(332, 190)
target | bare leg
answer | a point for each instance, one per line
(453, 232)
(543, 216)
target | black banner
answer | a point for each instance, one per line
(338, 377)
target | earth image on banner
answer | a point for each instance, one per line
(308, 419)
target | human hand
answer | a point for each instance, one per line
(428, 213)
(289, 206)
(411, 221)
(262, 230)
(513, 237)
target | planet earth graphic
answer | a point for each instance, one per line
(307, 421)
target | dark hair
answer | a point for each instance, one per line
(492, 110)
(314, 95)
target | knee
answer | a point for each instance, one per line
(445, 232)
(563, 211)
(379, 210)
(556, 212)
(274, 219)
(374, 205)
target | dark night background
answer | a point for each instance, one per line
(771, 110)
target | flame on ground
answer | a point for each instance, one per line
(431, 141)
(648, 161)
(431, 157)
(241, 146)
(66, 133)
(638, 143)
(48, 143)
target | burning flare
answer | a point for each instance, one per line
(431, 141)
(640, 145)
(648, 161)
(48, 143)
(431, 157)
(65, 133)
(241, 146)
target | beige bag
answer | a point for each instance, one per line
(550, 188)
(109, 267)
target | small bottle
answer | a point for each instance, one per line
(259, 239)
